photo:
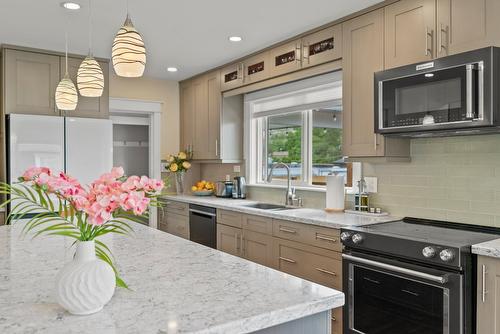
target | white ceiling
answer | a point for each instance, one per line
(188, 34)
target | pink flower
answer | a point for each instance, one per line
(34, 172)
(135, 201)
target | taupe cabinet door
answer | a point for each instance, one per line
(488, 295)
(187, 115)
(207, 110)
(363, 55)
(30, 83)
(258, 248)
(322, 46)
(91, 107)
(256, 68)
(232, 76)
(229, 239)
(409, 32)
(286, 58)
(464, 25)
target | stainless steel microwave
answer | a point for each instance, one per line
(453, 95)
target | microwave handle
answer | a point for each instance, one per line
(469, 68)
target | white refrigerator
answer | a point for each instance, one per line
(82, 147)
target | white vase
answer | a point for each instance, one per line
(87, 283)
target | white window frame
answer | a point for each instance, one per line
(312, 93)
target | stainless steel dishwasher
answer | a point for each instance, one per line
(203, 225)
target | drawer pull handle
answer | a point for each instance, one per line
(326, 272)
(320, 237)
(287, 260)
(287, 230)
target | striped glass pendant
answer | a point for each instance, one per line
(128, 52)
(66, 94)
(89, 78)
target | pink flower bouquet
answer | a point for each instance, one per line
(58, 204)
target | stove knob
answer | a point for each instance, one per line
(344, 236)
(429, 252)
(357, 238)
(447, 255)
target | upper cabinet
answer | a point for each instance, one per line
(420, 30)
(91, 107)
(363, 55)
(31, 78)
(232, 76)
(30, 81)
(286, 58)
(410, 32)
(256, 68)
(187, 114)
(464, 25)
(322, 46)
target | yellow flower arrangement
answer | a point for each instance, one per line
(178, 163)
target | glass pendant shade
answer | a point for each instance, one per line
(90, 79)
(128, 52)
(66, 94)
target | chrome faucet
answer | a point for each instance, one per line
(290, 196)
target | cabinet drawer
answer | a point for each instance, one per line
(177, 208)
(229, 218)
(315, 264)
(176, 224)
(257, 224)
(313, 235)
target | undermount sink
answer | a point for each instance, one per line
(267, 206)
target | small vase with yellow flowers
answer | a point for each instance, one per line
(178, 165)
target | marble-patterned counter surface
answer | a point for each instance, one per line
(176, 286)
(300, 215)
(488, 248)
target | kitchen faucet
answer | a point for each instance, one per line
(290, 196)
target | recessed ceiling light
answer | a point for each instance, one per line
(70, 5)
(172, 69)
(235, 39)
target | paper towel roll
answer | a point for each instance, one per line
(335, 193)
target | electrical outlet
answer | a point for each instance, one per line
(237, 168)
(371, 184)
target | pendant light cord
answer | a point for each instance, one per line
(66, 52)
(90, 27)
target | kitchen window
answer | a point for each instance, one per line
(300, 126)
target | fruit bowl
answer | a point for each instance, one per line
(203, 192)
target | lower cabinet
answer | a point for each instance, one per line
(173, 218)
(229, 239)
(488, 295)
(309, 252)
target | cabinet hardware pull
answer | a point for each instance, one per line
(298, 56)
(428, 33)
(305, 53)
(326, 272)
(216, 148)
(242, 245)
(483, 287)
(320, 237)
(375, 142)
(287, 260)
(236, 242)
(333, 318)
(444, 29)
(287, 230)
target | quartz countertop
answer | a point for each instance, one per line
(177, 286)
(300, 215)
(489, 248)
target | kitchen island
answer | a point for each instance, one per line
(176, 286)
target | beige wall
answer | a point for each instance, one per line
(164, 91)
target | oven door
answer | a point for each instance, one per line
(388, 297)
(444, 98)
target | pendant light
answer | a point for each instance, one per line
(66, 94)
(128, 52)
(90, 79)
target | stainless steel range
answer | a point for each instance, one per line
(411, 276)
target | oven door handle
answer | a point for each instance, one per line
(203, 213)
(438, 279)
